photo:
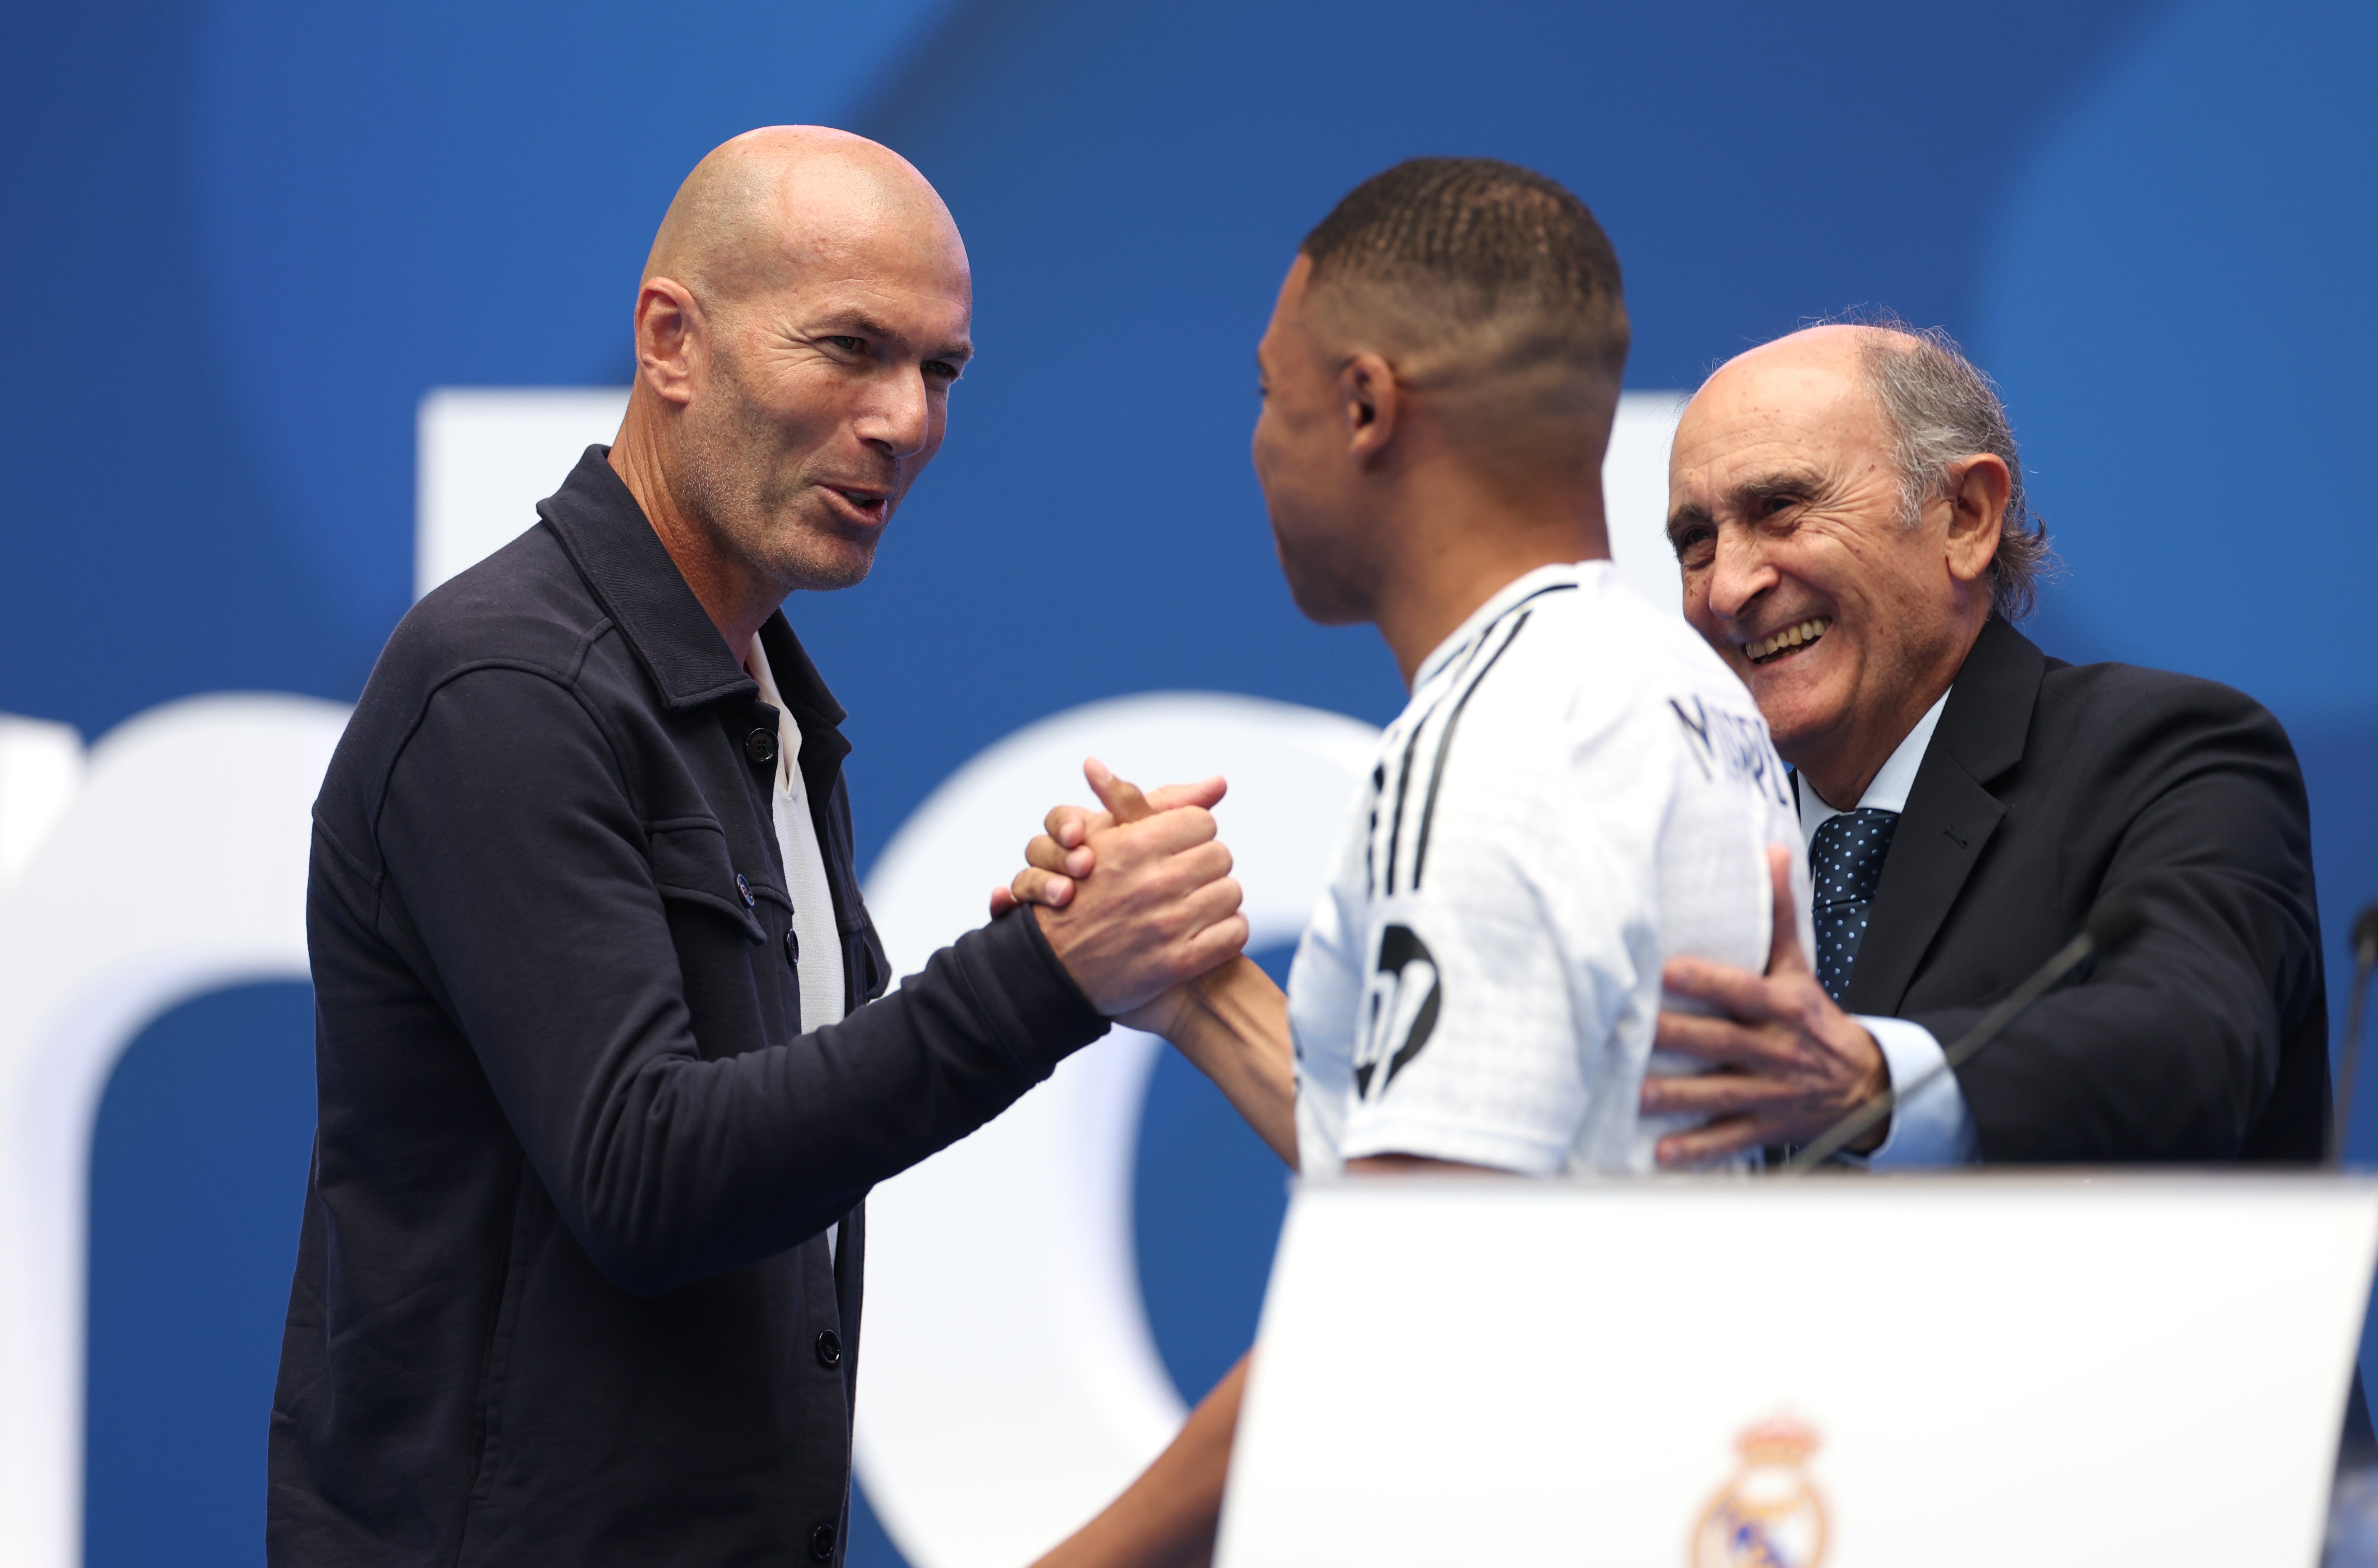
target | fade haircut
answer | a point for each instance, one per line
(1481, 271)
(1942, 409)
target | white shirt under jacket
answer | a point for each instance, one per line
(1933, 1125)
(1579, 791)
(805, 880)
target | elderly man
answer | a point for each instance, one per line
(1847, 507)
(602, 1085)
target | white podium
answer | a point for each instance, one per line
(2005, 1371)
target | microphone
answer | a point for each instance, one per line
(2348, 1055)
(2111, 925)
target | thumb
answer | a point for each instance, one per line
(1783, 955)
(1207, 793)
(1119, 795)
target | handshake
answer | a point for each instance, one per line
(1137, 902)
(1162, 910)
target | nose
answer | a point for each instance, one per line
(898, 419)
(1738, 576)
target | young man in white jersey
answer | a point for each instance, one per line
(1579, 791)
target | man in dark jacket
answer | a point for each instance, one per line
(579, 1279)
(1847, 505)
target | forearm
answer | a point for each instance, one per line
(1232, 1023)
(1168, 1517)
(687, 1167)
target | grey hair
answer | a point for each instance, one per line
(1943, 408)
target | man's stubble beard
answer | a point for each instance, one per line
(743, 505)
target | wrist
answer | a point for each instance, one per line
(1872, 1086)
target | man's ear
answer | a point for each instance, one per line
(668, 325)
(1371, 402)
(1978, 487)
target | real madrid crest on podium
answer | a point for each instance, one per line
(1767, 1515)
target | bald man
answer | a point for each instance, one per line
(1847, 505)
(603, 1085)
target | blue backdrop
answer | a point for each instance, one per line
(246, 235)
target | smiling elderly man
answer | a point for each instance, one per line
(1847, 507)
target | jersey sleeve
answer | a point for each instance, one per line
(1324, 986)
(1519, 932)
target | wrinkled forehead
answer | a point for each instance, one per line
(1769, 407)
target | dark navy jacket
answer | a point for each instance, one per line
(563, 1289)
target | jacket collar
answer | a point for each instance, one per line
(1950, 813)
(1989, 709)
(813, 707)
(632, 576)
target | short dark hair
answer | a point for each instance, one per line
(1481, 243)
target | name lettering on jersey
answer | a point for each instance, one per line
(1399, 1008)
(1730, 743)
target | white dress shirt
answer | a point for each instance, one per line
(1932, 1126)
(797, 841)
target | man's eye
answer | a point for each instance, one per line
(1693, 546)
(848, 344)
(941, 370)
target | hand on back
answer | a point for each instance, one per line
(1786, 1062)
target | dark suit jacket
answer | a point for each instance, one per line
(2046, 787)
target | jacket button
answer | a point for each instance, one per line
(793, 946)
(829, 1348)
(743, 886)
(761, 746)
(821, 1543)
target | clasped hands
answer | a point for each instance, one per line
(1165, 911)
(1784, 1061)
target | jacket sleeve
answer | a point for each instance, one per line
(517, 861)
(2170, 1049)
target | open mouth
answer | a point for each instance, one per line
(1789, 641)
(870, 505)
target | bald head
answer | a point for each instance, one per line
(762, 207)
(805, 307)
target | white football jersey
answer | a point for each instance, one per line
(1579, 791)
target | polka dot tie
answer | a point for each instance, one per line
(1846, 862)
